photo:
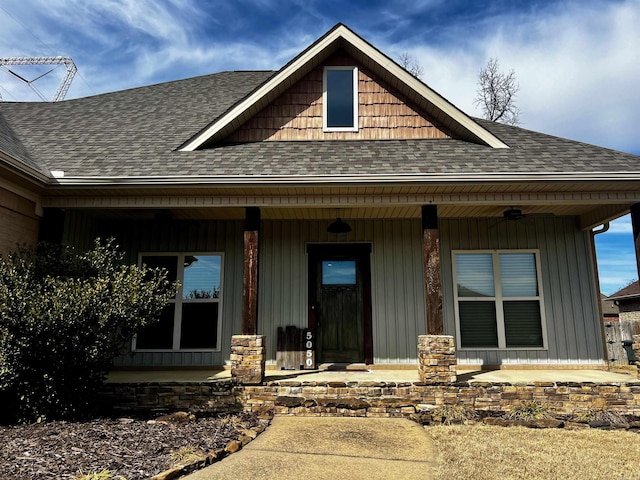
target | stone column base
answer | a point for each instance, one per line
(248, 355)
(437, 359)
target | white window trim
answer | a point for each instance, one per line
(498, 299)
(325, 128)
(177, 321)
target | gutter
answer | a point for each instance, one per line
(27, 170)
(341, 179)
(596, 279)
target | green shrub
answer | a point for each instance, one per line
(64, 317)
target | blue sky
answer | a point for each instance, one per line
(577, 62)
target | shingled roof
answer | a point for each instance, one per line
(136, 133)
(630, 291)
(140, 134)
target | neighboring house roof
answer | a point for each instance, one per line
(609, 307)
(629, 292)
(135, 136)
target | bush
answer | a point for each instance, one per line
(64, 317)
(529, 410)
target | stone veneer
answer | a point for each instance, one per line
(436, 359)
(248, 356)
(368, 399)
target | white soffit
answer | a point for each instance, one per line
(313, 56)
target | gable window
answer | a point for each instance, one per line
(191, 321)
(498, 297)
(340, 99)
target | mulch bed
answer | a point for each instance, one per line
(127, 447)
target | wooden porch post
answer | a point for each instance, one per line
(431, 259)
(250, 290)
(635, 224)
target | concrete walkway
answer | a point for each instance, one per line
(331, 448)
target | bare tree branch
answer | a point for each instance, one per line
(411, 65)
(496, 94)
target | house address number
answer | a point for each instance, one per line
(309, 349)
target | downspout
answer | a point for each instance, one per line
(594, 259)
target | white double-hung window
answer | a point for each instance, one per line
(192, 319)
(340, 99)
(498, 299)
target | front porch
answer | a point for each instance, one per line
(371, 393)
(515, 376)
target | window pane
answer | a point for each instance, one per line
(518, 275)
(339, 272)
(474, 273)
(340, 98)
(201, 276)
(199, 325)
(478, 324)
(168, 262)
(522, 324)
(158, 335)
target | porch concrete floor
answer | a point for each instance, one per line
(503, 376)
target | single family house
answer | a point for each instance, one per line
(339, 194)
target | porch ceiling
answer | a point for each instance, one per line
(592, 202)
(588, 215)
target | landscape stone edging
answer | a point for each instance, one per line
(184, 468)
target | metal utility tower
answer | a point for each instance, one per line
(63, 88)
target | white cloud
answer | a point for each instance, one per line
(578, 65)
(621, 225)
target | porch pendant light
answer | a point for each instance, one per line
(339, 226)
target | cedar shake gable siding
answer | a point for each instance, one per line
(383, 112)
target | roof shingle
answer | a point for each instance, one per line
(135, 133)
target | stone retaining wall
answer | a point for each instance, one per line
(210, 397)
(369, 399)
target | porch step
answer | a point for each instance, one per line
(343, 367)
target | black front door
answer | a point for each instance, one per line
(340, 302)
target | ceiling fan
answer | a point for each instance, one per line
(513, 214)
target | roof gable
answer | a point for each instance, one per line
(340, 37)
(297, 114)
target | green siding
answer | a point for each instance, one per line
(398, 298)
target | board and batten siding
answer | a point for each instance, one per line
(570, 301)
(397, 294)
(135, 236)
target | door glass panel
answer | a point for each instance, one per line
(338, 272)
(201, 277)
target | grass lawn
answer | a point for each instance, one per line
(489, 452)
